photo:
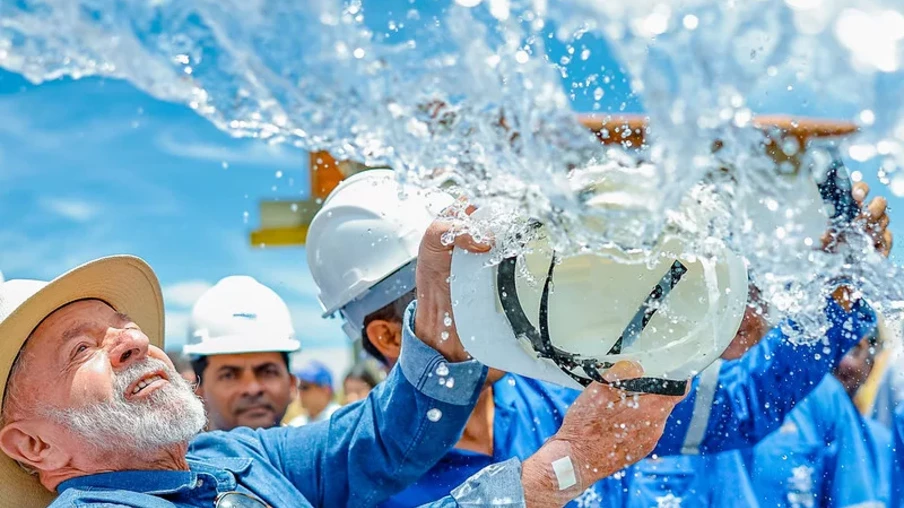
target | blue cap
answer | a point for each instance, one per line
(315, 373)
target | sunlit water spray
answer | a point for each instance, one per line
(469, 88)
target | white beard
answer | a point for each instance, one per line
(171, 415)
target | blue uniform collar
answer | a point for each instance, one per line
(505, 392)
(220, 470)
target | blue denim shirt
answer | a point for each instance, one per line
(366, 452)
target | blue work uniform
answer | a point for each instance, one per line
(733, 404)
(722, 480)
(366, 452)
(688, 481)
(819, 457)
(890, 394)
(897, 450)
(880, 444)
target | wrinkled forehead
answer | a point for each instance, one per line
(59, 325)
(72, 315)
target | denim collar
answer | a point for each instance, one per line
(222, 470)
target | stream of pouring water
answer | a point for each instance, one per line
(469, 86)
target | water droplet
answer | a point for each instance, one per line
(690, 22)
(450, 382)
(444, 335)
(442, 369)
(279, 174)
(294, 207)
(867, 117)
(434, 415)
(447, 320)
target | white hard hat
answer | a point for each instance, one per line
(567, 321)
(362, 245)
(240, 315)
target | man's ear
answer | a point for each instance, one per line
(386, 336)
(293, 391)
(24, 442)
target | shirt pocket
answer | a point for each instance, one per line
(789, 472)
(667, 482)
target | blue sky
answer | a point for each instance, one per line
(94, 167)
(90, 168)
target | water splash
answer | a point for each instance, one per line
(469, 87)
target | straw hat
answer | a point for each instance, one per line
(127, 283)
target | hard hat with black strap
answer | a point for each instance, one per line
(568, 319)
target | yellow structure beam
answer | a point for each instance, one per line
(279, 237)
(284, 222)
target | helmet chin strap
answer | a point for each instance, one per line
(542, 344)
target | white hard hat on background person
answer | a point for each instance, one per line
(362, 245)
(240, 315)
(568, 320)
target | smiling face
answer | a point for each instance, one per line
(89, 384)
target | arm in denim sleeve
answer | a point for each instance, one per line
(372, 449)
(734, 404)
(495, 485)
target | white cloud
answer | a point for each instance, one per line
(76, 210)
(314, 331)
(176, 329)
(41, 128)
(28, 254)
(256, 153)
(184, 294)
(285, 270)
(295, 280)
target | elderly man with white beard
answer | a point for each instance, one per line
(94, 412)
